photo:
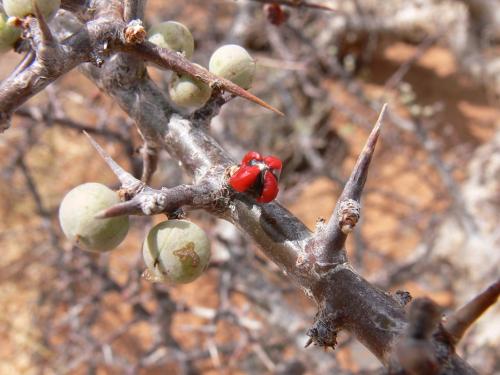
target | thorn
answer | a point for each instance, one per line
(47, 36)
(339, 224)
(120, 209)
(241, 92)
(126, 179)
(458, 322)
(356, 182)
(173, 61)
(308, 343)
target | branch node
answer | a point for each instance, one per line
(135, 32)
(154, 203)
(348, 215)
(402, 297)
(324, 330)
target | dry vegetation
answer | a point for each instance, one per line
(430, 212)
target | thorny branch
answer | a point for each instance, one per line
(316, 262)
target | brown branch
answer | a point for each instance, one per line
(457, 323)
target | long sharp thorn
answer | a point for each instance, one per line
(173, 61)
(458, 322)
(126, 179)
(237, 90)
(334, 235)
(120, 209)
(356, 182)
(42, 23)
(308, 343)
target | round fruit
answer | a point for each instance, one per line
(174, 36)
(23, 8)
(77, 218)
(233, 63)
(176, 251)
(8, 34)
(186, 91)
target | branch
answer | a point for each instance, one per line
(457, 323)
(143, 200)
(344, 298)
(53, 59)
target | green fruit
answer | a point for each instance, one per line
(8, 34)
(77, 218)
(233, 63)
(186, 91)
(176, 251)
(174, 36)
(23, 8)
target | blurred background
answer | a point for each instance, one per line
(430, 217)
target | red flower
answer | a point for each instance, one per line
(257, 176)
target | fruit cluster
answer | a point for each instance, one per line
(230, 61)
(21, 8)
(175, 251)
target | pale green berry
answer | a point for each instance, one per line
(186, 91)
(77, 218)
(233, 63)
(8, 34)
(176, 251)
(174, 36)
(23, 8)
